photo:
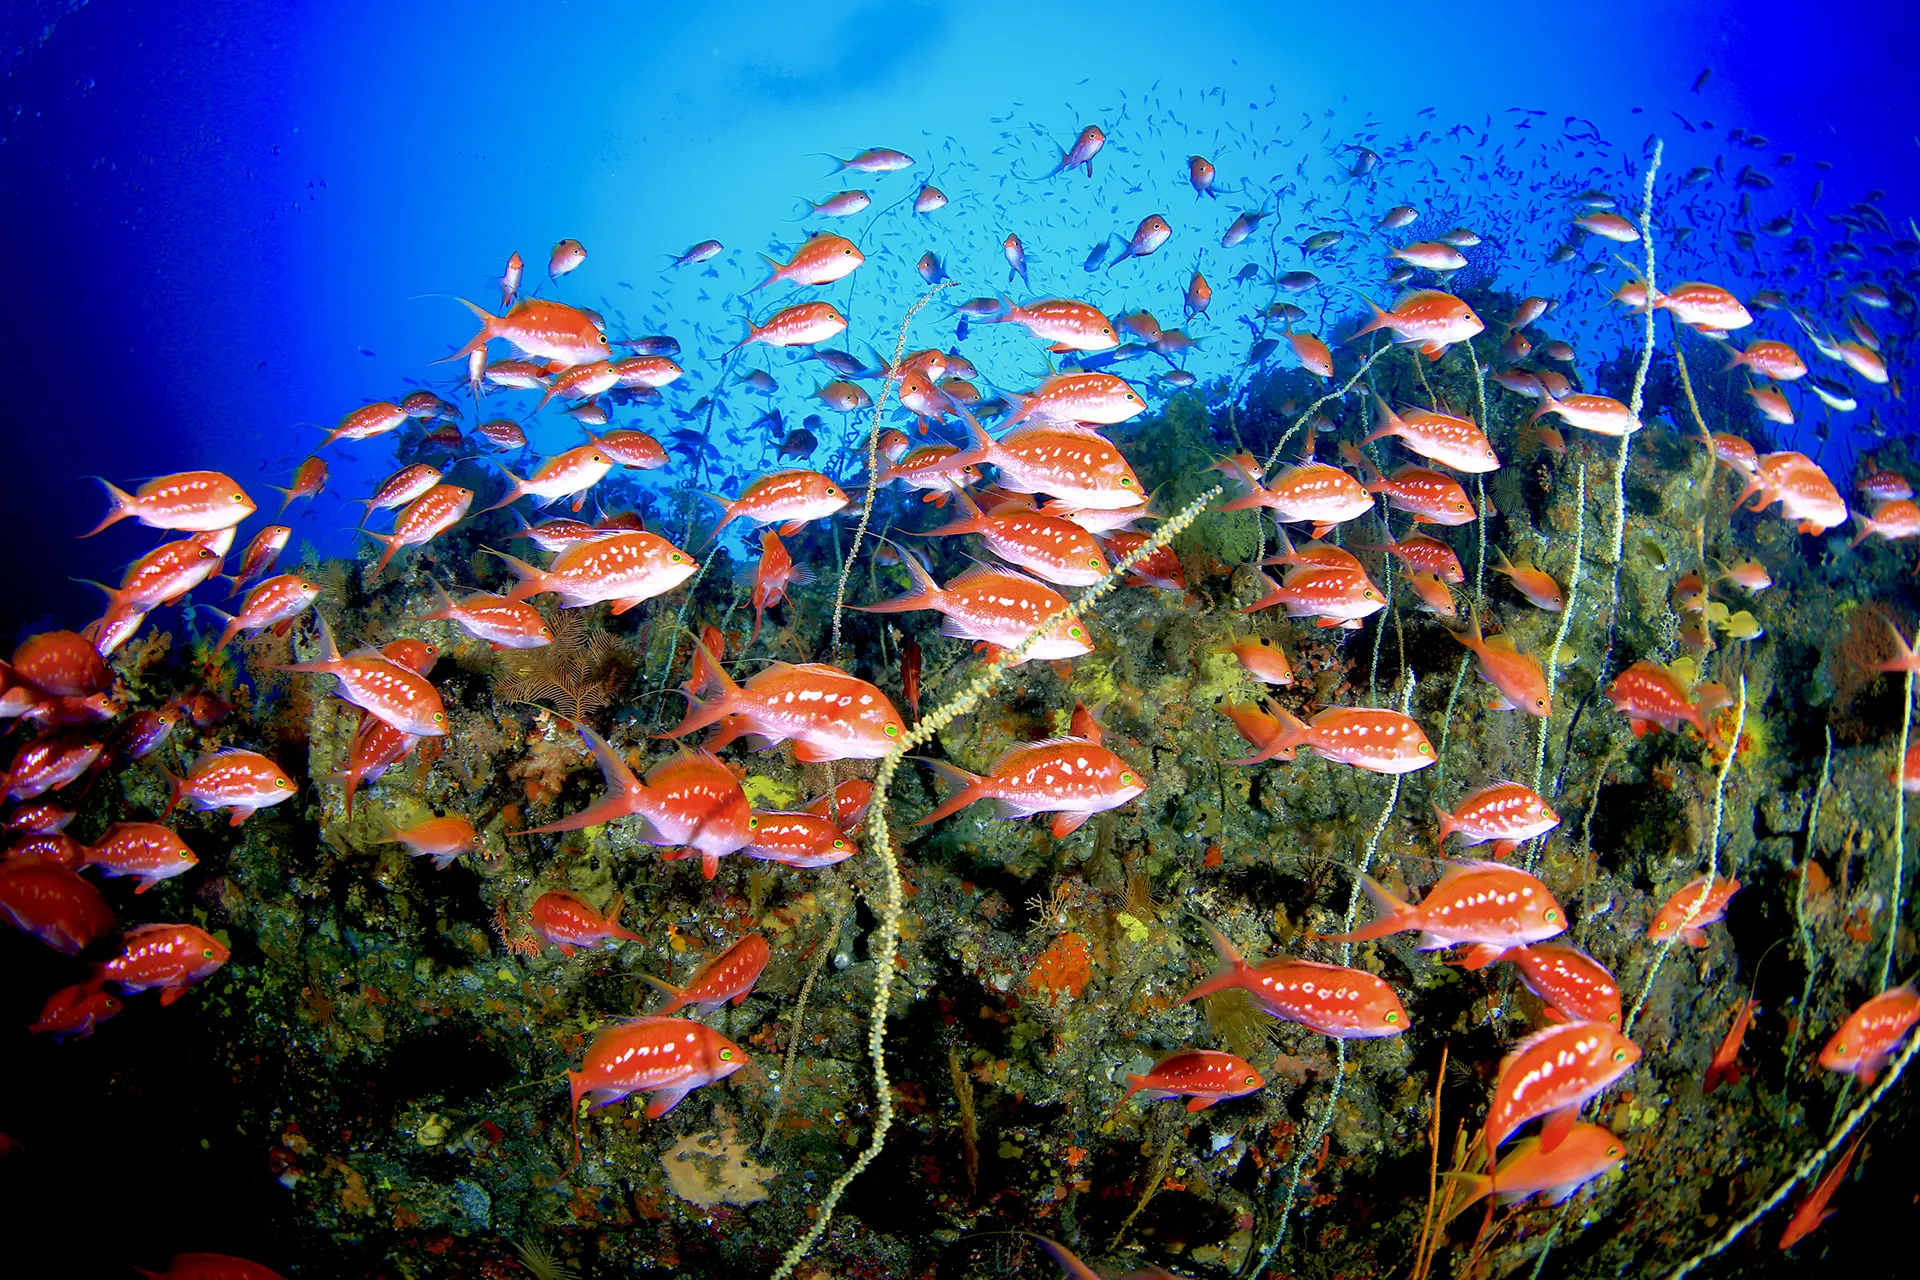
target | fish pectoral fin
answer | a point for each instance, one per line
(1201, 1103)
(1065, 824)
(1431, 942)
(1560, 1193)
(1558, 1125)
(661, 1101)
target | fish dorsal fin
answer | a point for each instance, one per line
(1079, 429)
(1533, 1041)
(980, 574)
(1501, 641)
(1035, 746)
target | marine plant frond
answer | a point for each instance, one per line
(541, 1264)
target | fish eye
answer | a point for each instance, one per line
(1093, 562)
(1126, 779)
(1539, 702)
(1552, 916)
(1372, 596)
(281, 783)
(1393, 1017)
(1126, 481)
(893, 731)
(677, 557)
(1619, 1055)
(839, 844)
(1074, 632)
(1840, 1047)
(439, 718)
(185, 853)
(208, 953)
(1426, 749)
(726, 1055)
(1662, 926)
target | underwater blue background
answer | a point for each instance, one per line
(230, 219)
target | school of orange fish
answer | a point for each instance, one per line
(1063, 506)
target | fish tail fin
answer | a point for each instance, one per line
(981, 447)
(926, 592)
(390, 541)
(971, 518)
(576, 1082)
(517, 489)
(120, 506)
(969, 787)
(1356, 458)
(1397, 917)
(228, 631)
(1476, 1185)
(676, 996)
(329, 652)
(530, 579)
(1867, 529)
(1381, 320)
(1233, 967)
(1389, 422)
(489, 326)
(777, 268)
(707, 672)
(1447, 825)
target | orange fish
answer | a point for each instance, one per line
(1312, 353)
(402, 487)
(796, 326)
(145, 850)
(1813, 1210)
(665, 1057)
(635, 450)
(1049, 546)
(1891, 521)
(243, 781)
(1374, 739)
(821, 260)
(1611, 226)
(1576, 987)
(1522, 685)
(997, 606)
(424, 519)
(1587, 1152)
(59, 664)
(364, 423)
(190, 502)
(826, 713)
(565, 920)
(566, 255)
(1431, 254)
(1065, 324)
(1092, 399)
(845, 804)
(1553, 1073)
(1650, 695)
(689, 801)
(1085, 147)
(803, 840)
(1334, 597)
(163, 575)
(1427, 317)
(648, 372)
(403, 698)
(541, 329)
(1449, 441)
(502, 623)
(1870, 1034)
(1313, 491)
(1424, 555)
(1537, 585)
(1264, 659)
(274, 604)
(1347, 1004)
(1802, 489)
(566, 475)
(260, 555)
(1199, 296)
(775, 574)
(728, 976)
(1690, 910)
(53, 904)
(790, 499)
(1161, 569)
(1725, 1067)
(628, 568)
(376, 747)
(1479, 902)
(1074, 463)
(74, 1013)
(910, 673)
(1887, 486)
(1706, 307)
(1769, 359)
(1427, 495)
(1600, 415)
(1072, 778)
(1202, 1076)
(581, 382)
(48, 764)
(1433, 594)
(170, 957)
(1506, 813)
(1152, 232)
(442, 839)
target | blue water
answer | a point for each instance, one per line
(239, 216)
